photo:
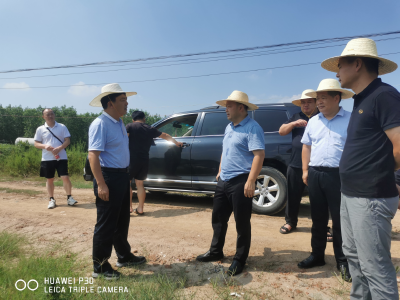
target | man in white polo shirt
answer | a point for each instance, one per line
(53, 138)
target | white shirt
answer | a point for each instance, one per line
(327, 138)
(44, 136)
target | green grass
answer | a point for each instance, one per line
(21, 261)
(77, 183)
(23, 160)
(17, 191)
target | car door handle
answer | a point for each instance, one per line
(185, 145)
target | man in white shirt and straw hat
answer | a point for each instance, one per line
(109, 161)
(241, 162)
(371, 154)
(323, 143)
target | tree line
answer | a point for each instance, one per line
(16, 121)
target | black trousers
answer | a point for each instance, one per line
(113, 219)
(324, 189)
(295, 191)
(228, 197)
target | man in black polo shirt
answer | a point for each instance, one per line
(296, 125)
(141, 138)
(370, 156)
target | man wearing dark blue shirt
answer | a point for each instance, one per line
(294, 175)
(370, 156)
(241, 162)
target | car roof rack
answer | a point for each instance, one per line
(210, 107)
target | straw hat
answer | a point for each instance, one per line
(238, 97)
(112, 88)
(360, 48)
(330, 85)
(303, 96)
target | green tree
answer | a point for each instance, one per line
(150, 119)
(16, 121)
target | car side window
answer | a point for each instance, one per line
(214, 124)
(179, 126)
(270, 120)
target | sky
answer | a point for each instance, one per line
(53, 33)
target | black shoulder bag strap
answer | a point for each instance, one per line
(54, 135)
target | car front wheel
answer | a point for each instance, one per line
(270, 195)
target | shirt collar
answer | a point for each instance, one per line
(369, 89)
(47, 125)
(244, 121)
(340, 113)
(111, 118)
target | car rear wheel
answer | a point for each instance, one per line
(270, 195)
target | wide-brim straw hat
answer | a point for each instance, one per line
(112, 88)
(239, 97)
(360, 48)
(330, 85)
(303, 96)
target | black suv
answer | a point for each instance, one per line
(193, 167)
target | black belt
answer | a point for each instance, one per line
(115, 170)
(325, 169)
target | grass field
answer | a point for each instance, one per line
(18, 191)
(23, 160)
(21, 261)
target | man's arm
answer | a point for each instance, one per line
(219, 170)
(305, 158)
(394, 136)
(94, 161)
(39, 145)
(256, 166)
(285, 129)
(57, 150)
(169, 138)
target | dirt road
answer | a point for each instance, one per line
(175, 229)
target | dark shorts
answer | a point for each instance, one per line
(138, 168)
(48, 168)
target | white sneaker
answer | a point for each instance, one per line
(52, 203)
(71, 201)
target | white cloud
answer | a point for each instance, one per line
(80, 89)
(289, 99)
(17, 86)
(252, 76)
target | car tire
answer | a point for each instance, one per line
(271, 186)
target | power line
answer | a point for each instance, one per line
(159, 79)
(204, 53)
(202, 60)
(174, 78)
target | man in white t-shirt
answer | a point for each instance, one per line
(53, 138)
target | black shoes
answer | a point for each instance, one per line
(236, 268)
(133, 261)
(109, 274)
(344, 272)
(311, 262)
(207, 257)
